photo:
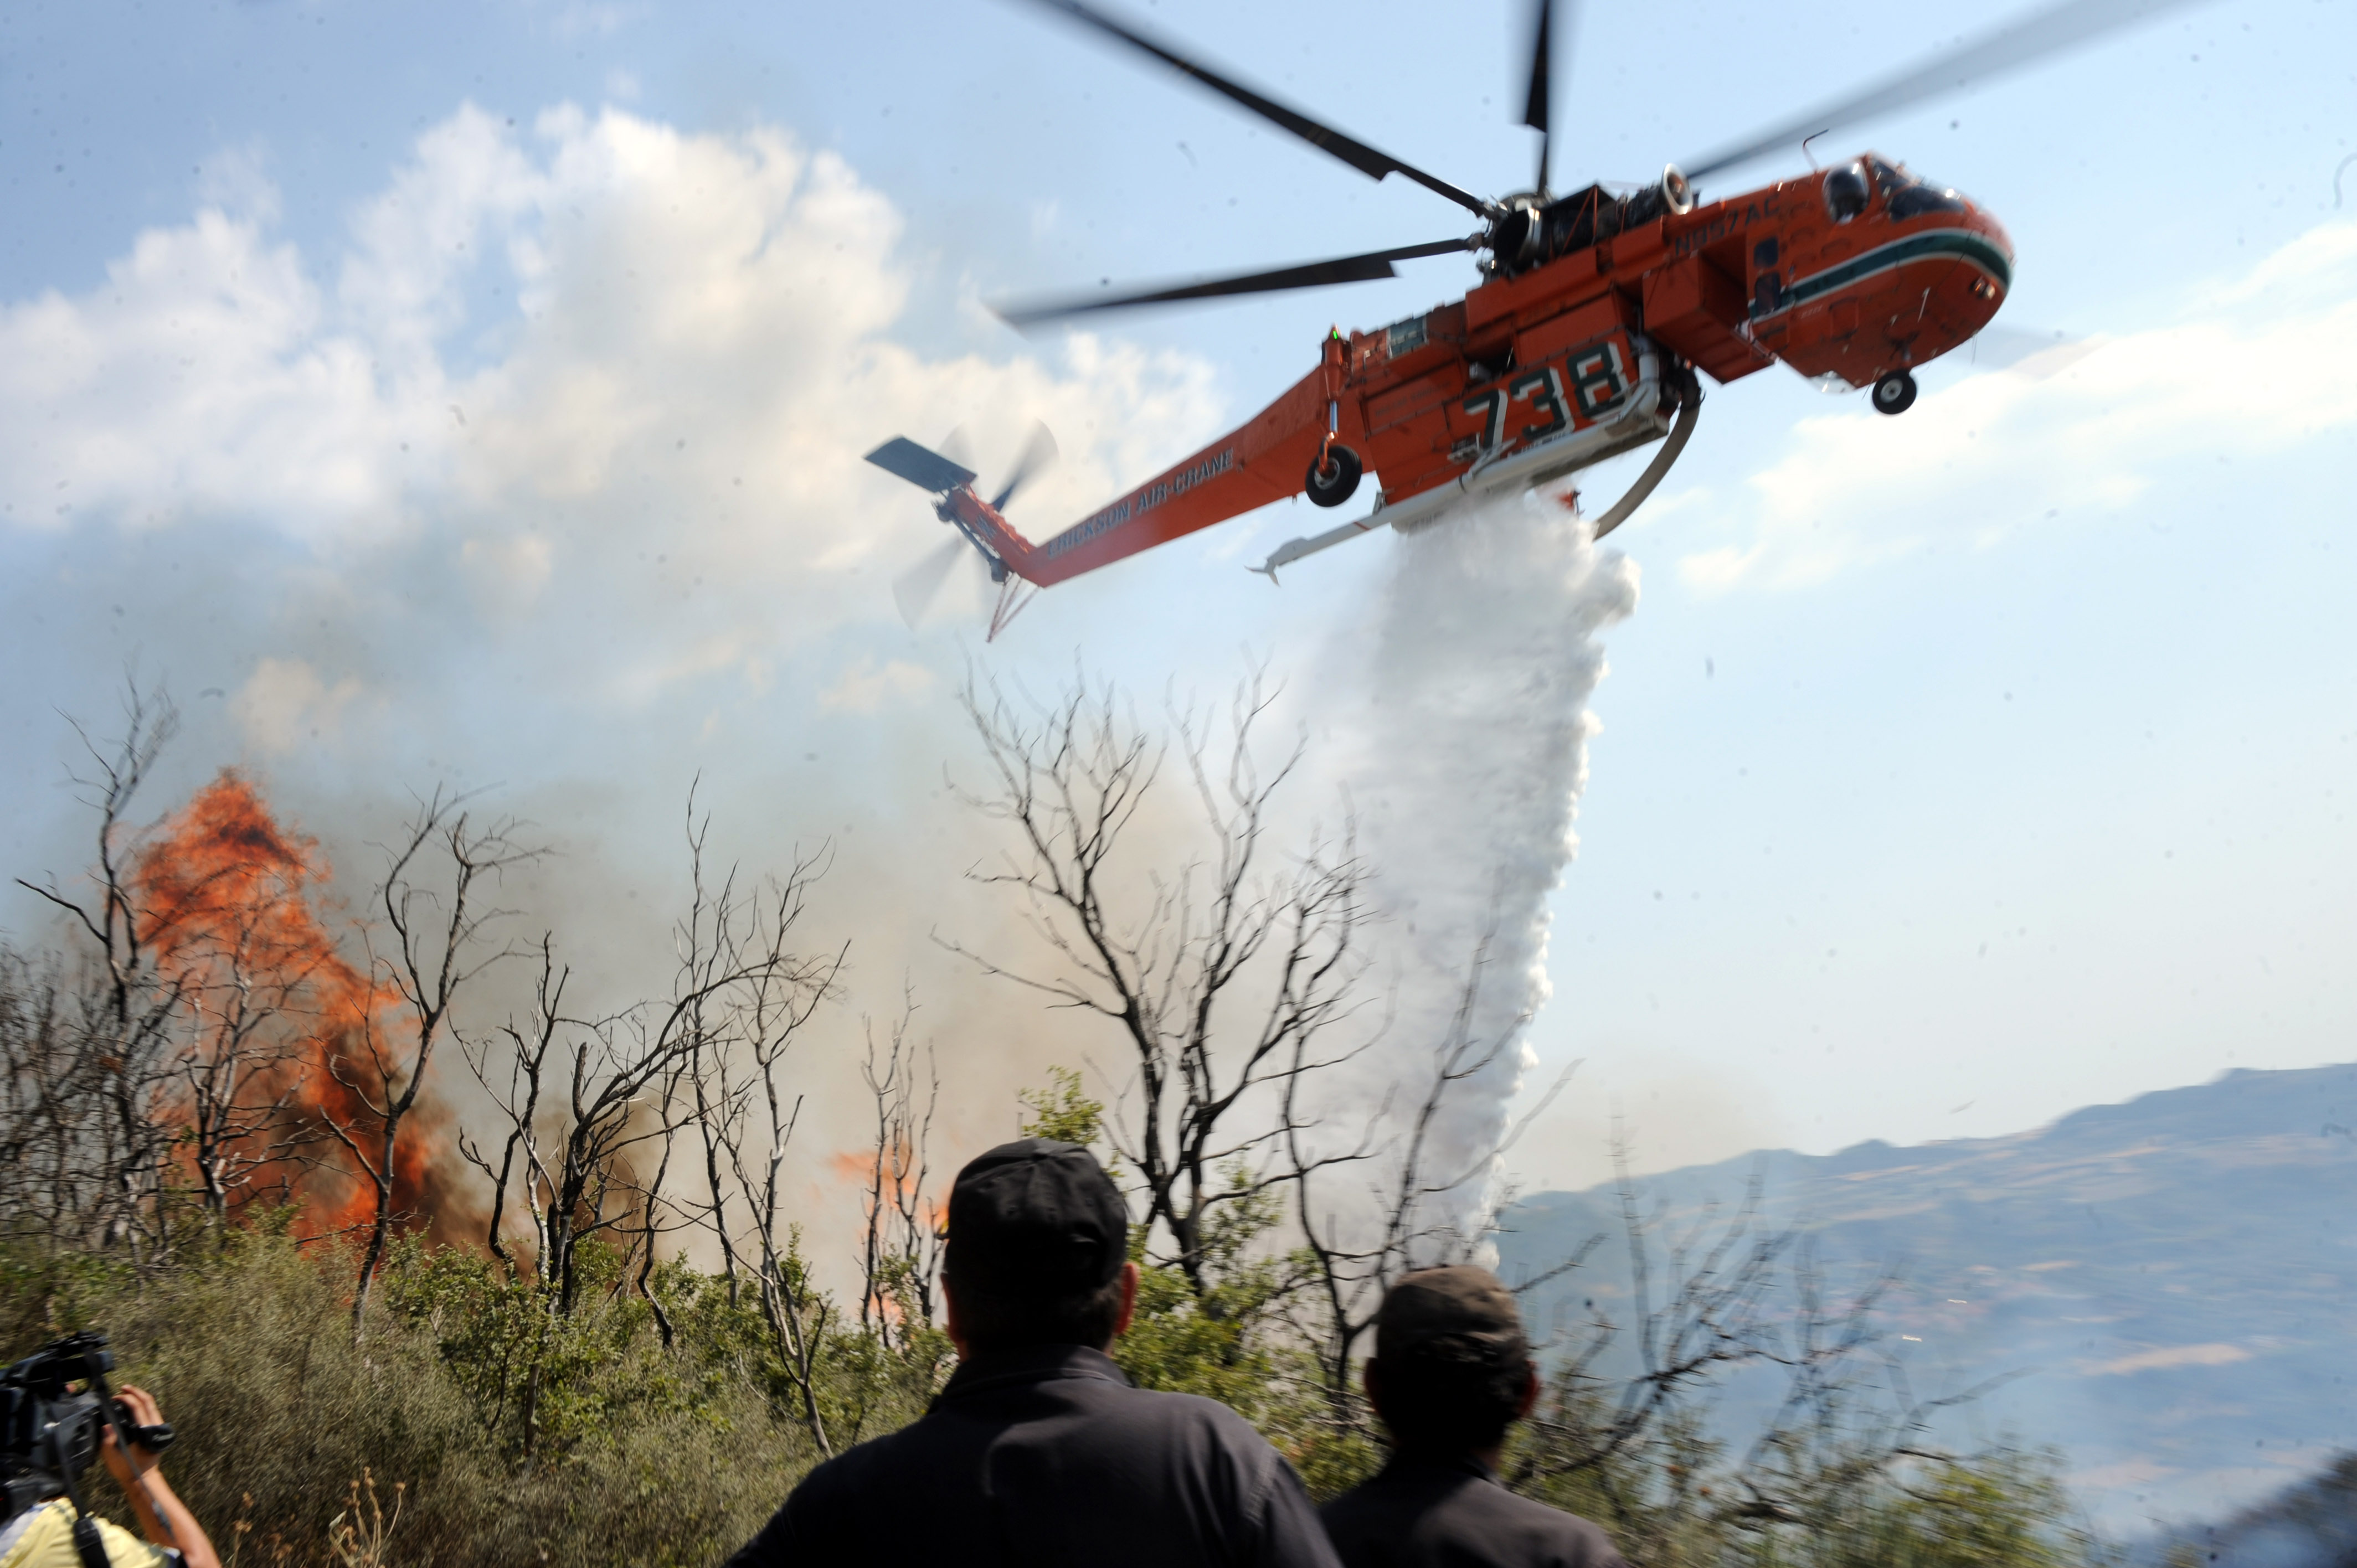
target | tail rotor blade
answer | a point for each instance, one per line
(914, 590)
(957, 447)
(1038, 453)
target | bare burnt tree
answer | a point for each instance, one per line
(581, 1102)
(744, 1112)
(1849, 1417)
(656, 1217)
(1714, 1315)
(438, 877)
(901, 1251)
(1218, 972)
(86, 1040)
(69, 1174)
(564, 1093)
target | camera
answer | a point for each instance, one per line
(50, 1431)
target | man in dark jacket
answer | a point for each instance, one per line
(1038, 1452)
(1451, 1372)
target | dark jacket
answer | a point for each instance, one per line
(1047, 1458)
(1424, 1513)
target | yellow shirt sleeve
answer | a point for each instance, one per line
(48, 1542)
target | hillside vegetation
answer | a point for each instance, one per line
(392, 1332)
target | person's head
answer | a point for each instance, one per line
(1451, 1370)
(1038, 1251)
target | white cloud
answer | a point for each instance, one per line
(610, 381)
(2248, 371)
(237, 180)
(197, 377)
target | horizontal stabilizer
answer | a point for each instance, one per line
(926, 470)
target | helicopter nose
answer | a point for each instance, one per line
(1992, 290)
(1984, 222)
(1969, 294)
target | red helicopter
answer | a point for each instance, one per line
(1596, 317)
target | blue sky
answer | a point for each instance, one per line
(474, 393)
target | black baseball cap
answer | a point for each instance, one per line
(1462, 1312)
(1036, 1217)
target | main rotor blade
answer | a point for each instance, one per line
(1357, 154)
(2020, 42)
(1038, 453)
(1537, 114)
(1310, 275)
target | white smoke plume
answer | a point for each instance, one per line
(543, 473)
(1466, 771)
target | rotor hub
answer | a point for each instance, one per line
(1516, 239)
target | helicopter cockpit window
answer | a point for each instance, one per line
(1845, 192)
(1909, 195)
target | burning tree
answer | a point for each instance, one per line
(228, 898)
(210, 1034)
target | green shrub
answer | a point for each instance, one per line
(650, 1454)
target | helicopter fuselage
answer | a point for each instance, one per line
(1583, 349)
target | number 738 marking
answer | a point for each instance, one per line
(1543, 389)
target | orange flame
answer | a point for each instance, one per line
(229, 897)
(867, 1169)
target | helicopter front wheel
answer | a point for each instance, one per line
(1334, 476)
(1894, 393)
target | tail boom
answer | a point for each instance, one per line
(1267, 458)
(1263, 461)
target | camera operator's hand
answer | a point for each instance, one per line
(164, 1519)
(145, 1411)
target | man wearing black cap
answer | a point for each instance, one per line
(1451, 1372)
(1038, 1452)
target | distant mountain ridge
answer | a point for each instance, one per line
(2173, 1278)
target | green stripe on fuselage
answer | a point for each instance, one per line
(1962, 244)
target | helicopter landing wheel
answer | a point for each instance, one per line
(1894, 393)
(1336, 479)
